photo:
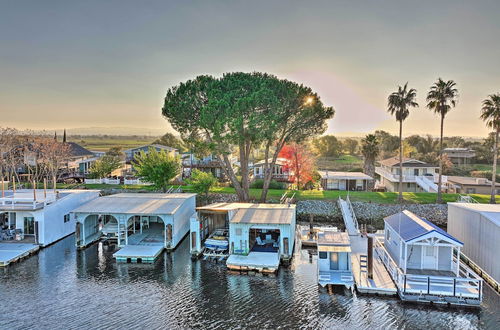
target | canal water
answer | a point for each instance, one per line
(61, 288)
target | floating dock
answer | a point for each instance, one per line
(264, 262)
(381, 283)
(138, 253)
(12, 252)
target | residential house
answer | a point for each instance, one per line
(470, 185)
(460, 156)
(208, 163)
(418, 176)
(331, 180)
(279, 171)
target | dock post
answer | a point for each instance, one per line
(370, 256)
(311, 232)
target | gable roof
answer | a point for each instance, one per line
(344, 175)
(409, 226)
(77, 150)
(407, 162)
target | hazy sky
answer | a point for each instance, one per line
(109, 63)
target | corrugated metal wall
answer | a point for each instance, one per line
(481, 238)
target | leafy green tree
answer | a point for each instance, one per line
(242, 111)
(490, 113)
(442, 97)
(116, 152)
(388, 143)
(399, 104)
(157, 167)
(350, 145)
(202, 182)
(170, 140)
(327, 146)
(104, 166)
(370, 151)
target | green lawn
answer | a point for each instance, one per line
(275, 194)
(342, 163)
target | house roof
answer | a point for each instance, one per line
(279, 162)
(77, 150)
(344, 175)
(273, 215)
(464, 180)
(458, 149)
(135, 203)
(409, 226)
(159, 146)
(407, 162)
(331, 237)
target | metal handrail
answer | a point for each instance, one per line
(355, 220)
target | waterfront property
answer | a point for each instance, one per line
(142, 224)
(334, 259)
(423, 260)
(470, 185)
(37, 218)
(460, 156)
(478, 226)
(259, 236)
(209, 164)
(417, 176)
(344, 180)
(279, 170)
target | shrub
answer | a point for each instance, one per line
(259, 184)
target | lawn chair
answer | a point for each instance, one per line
(259, 241)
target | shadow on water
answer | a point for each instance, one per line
(64, 288)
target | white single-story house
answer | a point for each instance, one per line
(153, 219)
(334, 259)
(41, 216)
(331, 180)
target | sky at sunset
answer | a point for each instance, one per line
(71, 64)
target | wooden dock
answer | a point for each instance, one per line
(381, 283)
(12, 252)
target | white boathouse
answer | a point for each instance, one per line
(334, 259)
(143, 224)
(37, 218)
(259, 235)
(423, 261)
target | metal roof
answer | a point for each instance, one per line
(135, 203)
(409, 226)
(264, 215)
(331, 237)
(490, 211)
(236, 206)
(407, 162)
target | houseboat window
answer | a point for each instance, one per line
(29, 226)
(66, 218)
(323, 255)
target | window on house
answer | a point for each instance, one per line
(408, 185)
(323, 255)
(471, 190)
(66, 218)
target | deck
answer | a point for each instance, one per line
(138, 253)
(381, 283)
(259, 261)
(344, 278)
(12, 252)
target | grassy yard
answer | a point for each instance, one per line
(342, 163)
(275, 194)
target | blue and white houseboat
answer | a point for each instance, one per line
(424, 262)
(334, 259)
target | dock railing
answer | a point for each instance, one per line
(469, 285)
(354, 219)
(26, 203)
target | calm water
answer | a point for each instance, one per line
(61, 288)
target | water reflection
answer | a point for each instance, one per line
(65, 288)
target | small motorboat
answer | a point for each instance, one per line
(218, 240)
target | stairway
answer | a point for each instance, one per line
(350, 221)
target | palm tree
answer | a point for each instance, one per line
(399, 104)
(490, 113)
(370, 151)
(442, 97)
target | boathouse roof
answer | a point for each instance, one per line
(409, 226)
(135, 203)
(283, 215)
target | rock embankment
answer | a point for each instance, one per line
(368, 213)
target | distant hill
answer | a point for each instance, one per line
(119, 131)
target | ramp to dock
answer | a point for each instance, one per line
(381, 283)
(351, 224)
(138, 253)
(260, 261)
(12, 252)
